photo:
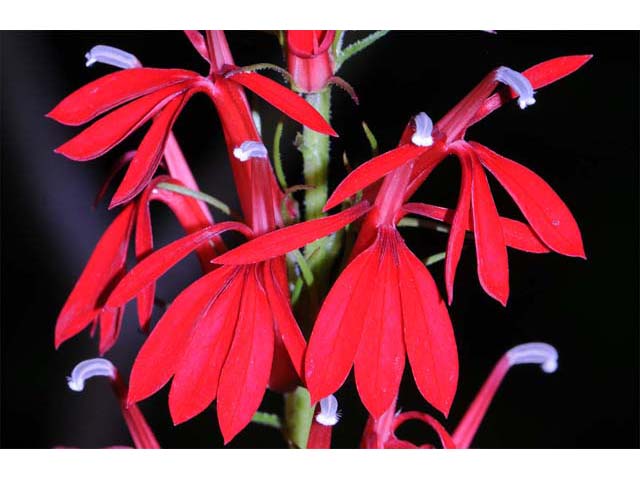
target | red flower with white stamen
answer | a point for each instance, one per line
(549, 218)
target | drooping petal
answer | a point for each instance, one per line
(491, 250)
(106, 263)
(149, 153)
(539, 75)
(111, 129)
(279, 242)
(159, 356)
(371, 171)
(152, 267)
(115, 89)
(275, 283)
(110, 321)
(428, 335)
(192, 219)
(338, 328)
(517, 235)
(379, 361)
(195, 383)
(284, 100)
(542, 207)
(458, 225)
(246, 371)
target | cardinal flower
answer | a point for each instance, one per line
(380, 433)
(107, 265)
(137, 95)
(308, 58)
(231, 333)
(551, 225)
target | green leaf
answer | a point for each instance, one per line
(435, 258)
(277, 158)
(267, 419)
(307, 274)
(214, 202)
(373, 142)
(357, 47)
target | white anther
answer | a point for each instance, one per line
(250, 149)
(329, 414)
(424, 126)
(111, 56)
(519, 83)
(95, 367)
(541, 354)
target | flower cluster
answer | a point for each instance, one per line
(233, 333)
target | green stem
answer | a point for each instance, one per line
(298, 413)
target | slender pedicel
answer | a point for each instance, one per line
(424, 127)
(519, 83)
(329, 414)
(95, 367)
(111, 56)
(541, 354)
(250, 149)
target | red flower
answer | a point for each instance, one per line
(219, 336)
(380, 433)
(552, 227)
(137, 95)
(308, 58)
(106, 266)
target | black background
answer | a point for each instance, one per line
(581, 136)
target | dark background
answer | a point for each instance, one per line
(581, 136)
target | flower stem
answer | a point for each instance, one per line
(298, 417)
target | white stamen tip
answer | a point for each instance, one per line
(424, 127)
(541, 354)
(250, 149)
(519, 84)
(111, 56)
(95, 367)
(329, 414)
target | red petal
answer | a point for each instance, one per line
(105, 264)
(160, 354)
(149, 153)
(517, 235)
(110, 130)
(458, 225)
(338, 328)
(539, 75)
(198, 42)
(115, 89)
(379, 361)
(275, 283)
(542, 207)
(371, 171)
(195, 383)
(428, 335)
(279, 242)
(284, 100)
(192, 219)
(246, 371)
(152, 267)
(491, 250)
(110, 322)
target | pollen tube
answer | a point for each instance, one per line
(95, 367)
(250, 149)
(541, 354)
(111, 56)
(519, 83)
(424, 127)
(140, 432)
